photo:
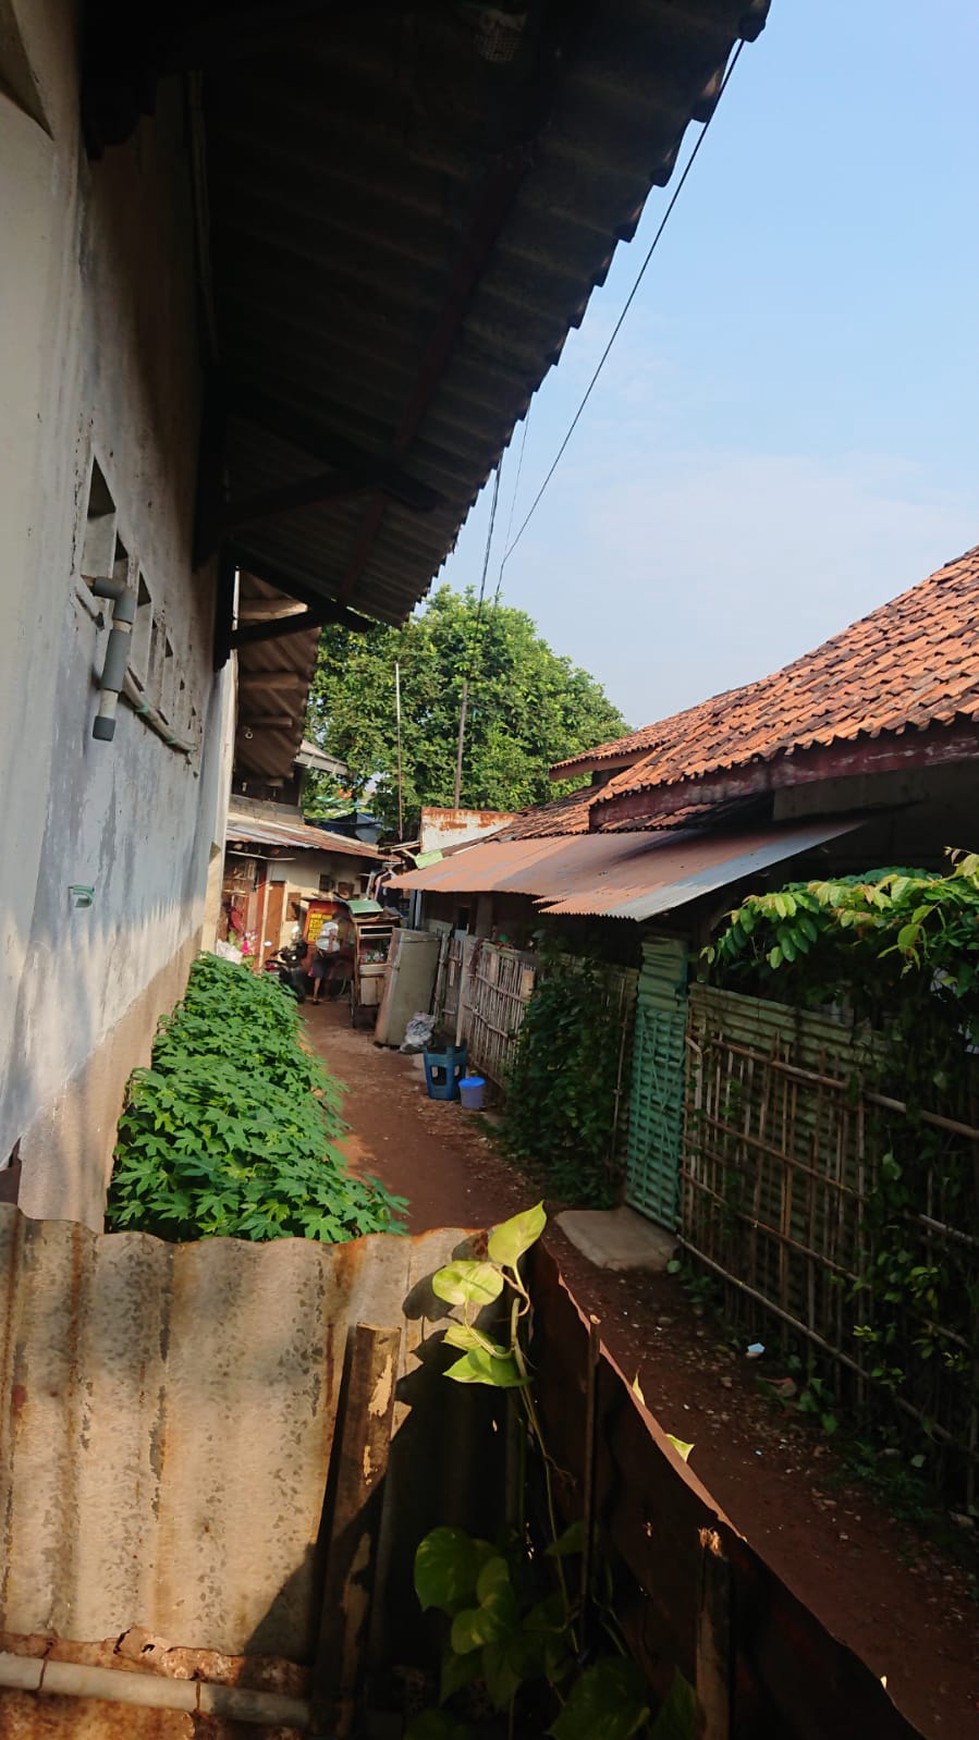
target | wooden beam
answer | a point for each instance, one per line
(268, 609)
(277, 627)
(360, 1458)
(306, 435)
(252, 680)
(715, 1640)
(890, 752)
(274, 574)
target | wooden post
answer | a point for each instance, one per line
(715, 1679)
(361, 1451)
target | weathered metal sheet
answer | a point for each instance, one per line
(655, 1520)
(168, 1416)
(620, 875)
(259, 831)
(442, 828)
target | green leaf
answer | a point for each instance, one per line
(677, 1718)
(476, 1626)
(466, 1336)
(447, 1566)
(683, 1450)
(509, 1240)
(609, 1702)
(509, 1664)
(479, 1367)
(494, 1579)
(457, 1671)
(468, 1283)
(572, 1541)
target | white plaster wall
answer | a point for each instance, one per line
(98, 356)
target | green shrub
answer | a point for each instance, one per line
(232, 1131)
(560, 1113)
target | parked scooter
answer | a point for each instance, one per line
(288, 965)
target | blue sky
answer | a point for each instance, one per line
(785, 434)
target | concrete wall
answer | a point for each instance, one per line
(98, 363)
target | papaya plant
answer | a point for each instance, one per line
(512, 1624)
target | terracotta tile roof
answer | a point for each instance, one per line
(570, 815)
(910, 664)
(564, 815)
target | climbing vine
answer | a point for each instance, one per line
(513, 1612)
(568, 1082)
(895, 952)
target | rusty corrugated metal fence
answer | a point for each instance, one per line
(167, 1424)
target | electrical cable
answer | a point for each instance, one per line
(513, 506)
(628, 304)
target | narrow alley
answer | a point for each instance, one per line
(875, 1582)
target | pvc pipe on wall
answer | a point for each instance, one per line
(116, 654)
(69, 1679)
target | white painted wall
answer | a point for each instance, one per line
(98, 358)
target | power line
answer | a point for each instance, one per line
(513, 505)
(628, 304)
(475, 639)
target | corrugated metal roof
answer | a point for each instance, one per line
(402, 234)
(620, 875)
(258, 830)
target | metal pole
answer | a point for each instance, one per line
(462, 739)
(397, 710)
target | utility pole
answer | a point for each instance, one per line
(397, 711)
(462, 739)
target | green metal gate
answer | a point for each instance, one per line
(658, 1062)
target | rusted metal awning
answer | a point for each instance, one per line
(258, 831)
(621, 875)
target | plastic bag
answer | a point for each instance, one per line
(418, 1033)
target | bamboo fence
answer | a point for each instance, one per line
(783, 1148)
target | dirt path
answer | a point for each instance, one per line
(875, 1583)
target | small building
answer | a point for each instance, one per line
(275, 864)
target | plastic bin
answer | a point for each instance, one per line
(471, 1091)
(443, 1072)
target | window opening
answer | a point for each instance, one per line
(99, 547)
(139, 657)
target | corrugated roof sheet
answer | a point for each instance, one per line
(175, 1425)
(258, 830)
(633, 875)
(910, 664)
(402, 233)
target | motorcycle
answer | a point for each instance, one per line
(288, 965)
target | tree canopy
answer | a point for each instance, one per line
(528, 708)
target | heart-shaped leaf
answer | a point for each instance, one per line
(468, 1283)
(607, 1703)
(509, 1240)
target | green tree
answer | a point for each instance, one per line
(529, 707)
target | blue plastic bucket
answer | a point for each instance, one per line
(471, 1090)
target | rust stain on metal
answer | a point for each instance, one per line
(623, 875)
(167, 1464)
